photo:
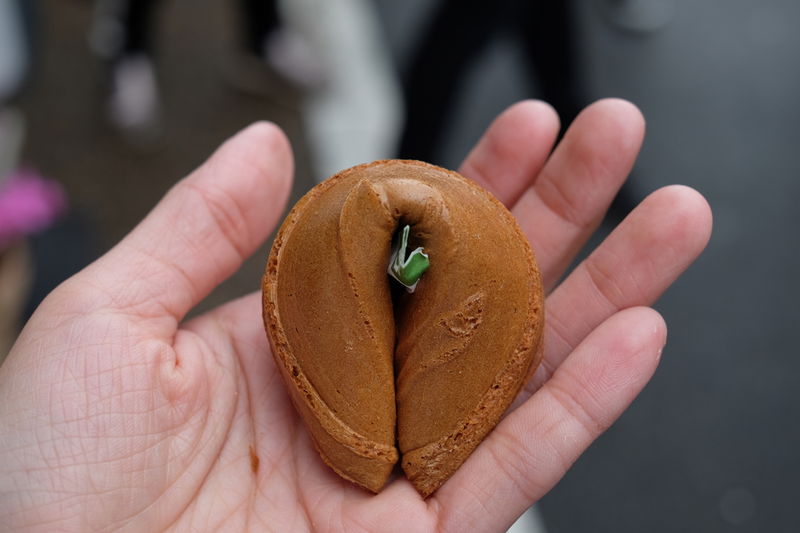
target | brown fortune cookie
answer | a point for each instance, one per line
(379, 374)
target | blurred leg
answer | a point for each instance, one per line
(546, 29)
(15, 49)
(137, 19)
(547, 32)
(270, 37)
(259, 18)
(458, 31)
(134, 106)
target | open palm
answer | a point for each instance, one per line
(117, 415)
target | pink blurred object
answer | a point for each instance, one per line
(28, 203)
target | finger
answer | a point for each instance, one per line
(632, 267)
(532, 448)
(513, 150)
(567, 201)
(203, 229)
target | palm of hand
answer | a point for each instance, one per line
(196, 434)
(117, 417)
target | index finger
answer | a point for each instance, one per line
(509, 156)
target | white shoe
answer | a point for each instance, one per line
(134, 106)
(292, 57)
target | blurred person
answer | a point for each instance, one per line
(122, 32)
(356, 115)
(28, 202)
(459, 30)
(15, 47)
(118, 413)
(544, 30)
(331, 54)
(269, 34)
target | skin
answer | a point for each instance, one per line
(116, 414)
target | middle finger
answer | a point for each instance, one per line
(570, 195)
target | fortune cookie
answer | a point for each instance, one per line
(380, 374)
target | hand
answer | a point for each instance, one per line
(115, 414)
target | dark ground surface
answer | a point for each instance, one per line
(712, 444)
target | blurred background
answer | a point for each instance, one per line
(104, 105)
